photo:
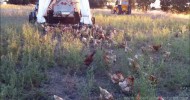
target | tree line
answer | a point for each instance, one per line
(175, 5)
(166, 5)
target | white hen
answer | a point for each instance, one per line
(57, 97)
(105, 95)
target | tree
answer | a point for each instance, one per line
(22, 1)
(144, 4)
(165, 4)
(180, 5)
(93, 3)
(132, 3)
(175, 5)
(97, 3)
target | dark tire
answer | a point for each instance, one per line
(76, 17)
(32, 17)
(49, 17)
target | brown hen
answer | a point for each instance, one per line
(117, 77)
(89, 59)
(160, 98)
(156, 47)
(153, 79)
(134, 64)
(138, 97)
(127, 84)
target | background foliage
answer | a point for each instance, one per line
(175, 5)
(22, 1)
(144, 3)
(166, 5)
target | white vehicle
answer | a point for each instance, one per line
(155, 5)
(62, 11)
(3, 1)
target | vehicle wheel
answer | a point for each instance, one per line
(49, 17)
(76, 17)
(32, 17)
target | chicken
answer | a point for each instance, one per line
(115, 31)
(136, 57)
(138, 97)
(109, 57)
(124, 85)
(169, 44)
(89, 59)
(166, 54)
(108, 38)
(127, 47)
(145, 49)
(57, 97)
(121, 45)
(106, 58)
(111, 35)
(105, 95)
(114, 58)
(156, 47)
(84, 40)
(107, 44)
(97, 42)
(47, 28)
(177, 34)
(117, 77)
(101, 36)
(131, 80)
(134, 64)
(160, 98)
(127, 84)
(153, 79)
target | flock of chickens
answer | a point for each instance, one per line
(96, 37)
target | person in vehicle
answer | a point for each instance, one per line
(119, 2)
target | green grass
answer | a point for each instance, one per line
(26, 56)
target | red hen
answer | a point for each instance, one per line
(156, 47)
(89, 59)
